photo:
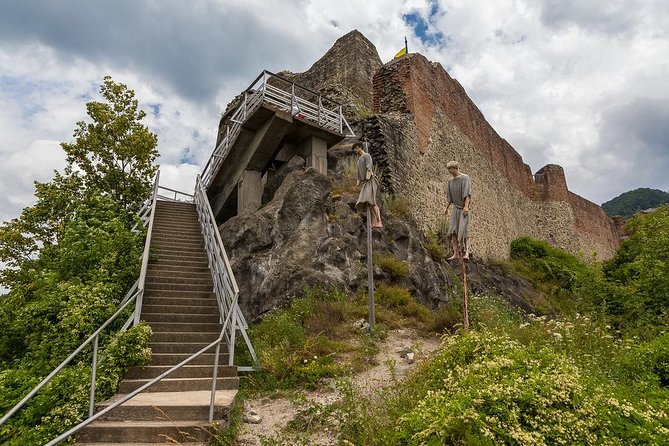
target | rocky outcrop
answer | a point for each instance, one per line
(345, 73)
(309, 236)
(304, 236)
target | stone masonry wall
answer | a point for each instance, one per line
(424, 118)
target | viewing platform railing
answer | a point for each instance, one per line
(282, 94)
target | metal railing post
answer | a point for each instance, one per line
(91, 402)
(62, 365)
(341, 120)
(213, 383)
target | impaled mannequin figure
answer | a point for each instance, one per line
(370, 185)
(459, 191)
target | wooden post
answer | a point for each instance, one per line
(370, 270)
(464, 288)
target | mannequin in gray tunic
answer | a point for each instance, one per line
(459, 191)
(370, 186)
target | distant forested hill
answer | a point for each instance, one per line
(628, 203)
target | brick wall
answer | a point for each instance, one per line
(424, 118)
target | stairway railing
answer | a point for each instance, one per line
(280, 93)
(106, 410)
(134, 295)
(225, 285)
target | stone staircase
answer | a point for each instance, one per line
(181, 308)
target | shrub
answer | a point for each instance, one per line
(436, 250)
(397, 205)
(391, 265)
(489, 389)
(400, 299)
(447, 317)
(291, 345)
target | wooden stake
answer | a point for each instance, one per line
(464, 287)
(370, 270)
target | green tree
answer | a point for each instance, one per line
(641, 263)
(628, 203)
(70, 259)
(113, 155)
(116, 152)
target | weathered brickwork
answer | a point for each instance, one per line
(423, 118)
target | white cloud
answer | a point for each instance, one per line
(556, 79)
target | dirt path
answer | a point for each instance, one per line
(276, 413)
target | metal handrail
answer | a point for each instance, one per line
(147, 251)
(45, 381)
(134, 393)
(133, 295)
(189, 197)
(262, 91)
(225, 285)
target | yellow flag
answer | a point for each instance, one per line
(400, 53)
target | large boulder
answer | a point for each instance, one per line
(305, 237)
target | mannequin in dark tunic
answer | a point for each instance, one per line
(458, 194)
(369, 186)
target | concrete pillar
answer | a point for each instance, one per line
(249, 191)
(314, 150)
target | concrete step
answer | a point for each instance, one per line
(181, 347)
(193, 336)
(177, 274)
(168, 230)
(161, 239)
(180, 384)
(181, 301)
(167, 227)
(177, 221)
(181, 237)
(151, 308)
(176, 212)
(179, 294)
(170, 215)
(173, 359)
(187, 371)
(184, 327)
(184, 318)
(172, 406)
(145, 431)
(177, 248)
(183, 279)
(172, 262)
(170, 258)
(196, 268)
(169, 204)
(177, 286)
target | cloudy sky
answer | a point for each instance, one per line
(580, 83)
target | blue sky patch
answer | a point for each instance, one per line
(155, 109)
(421, 26)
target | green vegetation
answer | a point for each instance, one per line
(397, 205)
(317, 336)
(629, 203)
(434, 247)
(70, 259)
(595, 372)
(392, 266)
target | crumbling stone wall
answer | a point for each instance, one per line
(423, 118)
